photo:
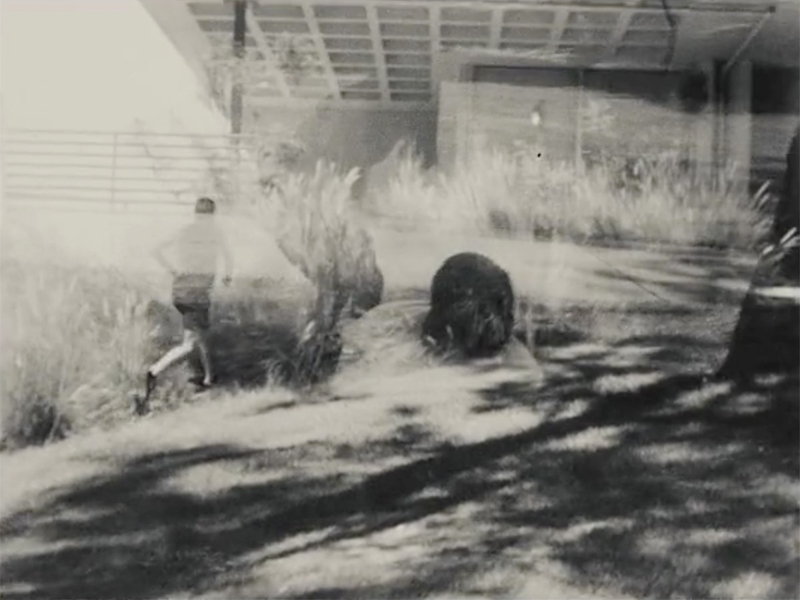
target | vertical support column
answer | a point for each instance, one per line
(446, 124)
(579, 123)
(237, 92)
(239, 32)
(470, 139)
(705, 129)
(737, 121)
(462, 105)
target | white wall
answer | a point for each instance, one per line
(95, 64)
(99, 65)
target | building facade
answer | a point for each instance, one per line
(714, 82)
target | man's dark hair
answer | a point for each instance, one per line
(205, 206)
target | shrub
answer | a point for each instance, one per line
(319, 233)
(75, 343)
(656, 201)
(78, 340)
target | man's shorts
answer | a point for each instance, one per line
(196, 317)
(191, 296)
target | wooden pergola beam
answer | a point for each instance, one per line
(266, 51)
(377, 49)
(322, 51)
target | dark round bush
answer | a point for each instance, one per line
(472, 306)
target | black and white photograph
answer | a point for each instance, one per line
(399, 299)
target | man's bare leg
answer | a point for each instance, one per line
(176, 355)
(205, 359)
(173, 357)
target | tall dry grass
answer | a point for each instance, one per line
(75, 342)
(520, 193)
(319, 231)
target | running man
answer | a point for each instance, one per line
(199, 246)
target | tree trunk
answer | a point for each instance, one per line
(767, 336)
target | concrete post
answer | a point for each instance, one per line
(705, 129)
(738, 119)
(237, 92)
(239, 31)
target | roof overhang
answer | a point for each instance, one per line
(389, 52)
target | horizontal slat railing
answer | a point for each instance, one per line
(76, 170)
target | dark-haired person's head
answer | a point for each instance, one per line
(205, 206)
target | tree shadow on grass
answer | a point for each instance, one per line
(674, 488)
(657, 488)
(694, 279)
(685, 497)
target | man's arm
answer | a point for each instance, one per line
(159, 255)
(227, 259)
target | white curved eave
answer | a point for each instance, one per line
(177, 23)
(707, 30)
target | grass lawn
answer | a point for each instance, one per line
(607, 470)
